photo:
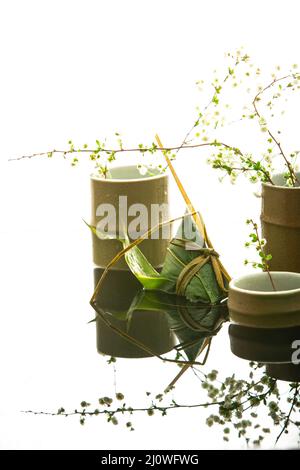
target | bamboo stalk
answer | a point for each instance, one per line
(218, 267)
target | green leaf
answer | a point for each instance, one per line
(143, 270)
(138, 263)
(104, 235)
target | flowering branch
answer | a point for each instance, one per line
(256, 99)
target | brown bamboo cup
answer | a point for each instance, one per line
(280, 217)
(124, 188)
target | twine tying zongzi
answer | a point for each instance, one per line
(191, 269)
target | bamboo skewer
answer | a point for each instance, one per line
(218, 267)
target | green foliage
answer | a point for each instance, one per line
(259, 245)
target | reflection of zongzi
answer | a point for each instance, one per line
(192, 323)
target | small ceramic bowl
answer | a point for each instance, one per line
(253, 302)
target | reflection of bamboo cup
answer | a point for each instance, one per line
(263, 345)
(252, 302)
(150, 328)
(288, 372)
(281, 224)
(136, 191)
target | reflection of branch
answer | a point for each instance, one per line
(287, 420)
(123, 410)
(232, 398)
(131, 410)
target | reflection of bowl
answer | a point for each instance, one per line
(117, 292)
(288, 372)
(148, 327)
(263, 345)
(253, 302)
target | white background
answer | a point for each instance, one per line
(83, 70)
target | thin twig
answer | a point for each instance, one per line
(272, 136)
(184, 142)
(121, 150)
(244, 170)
